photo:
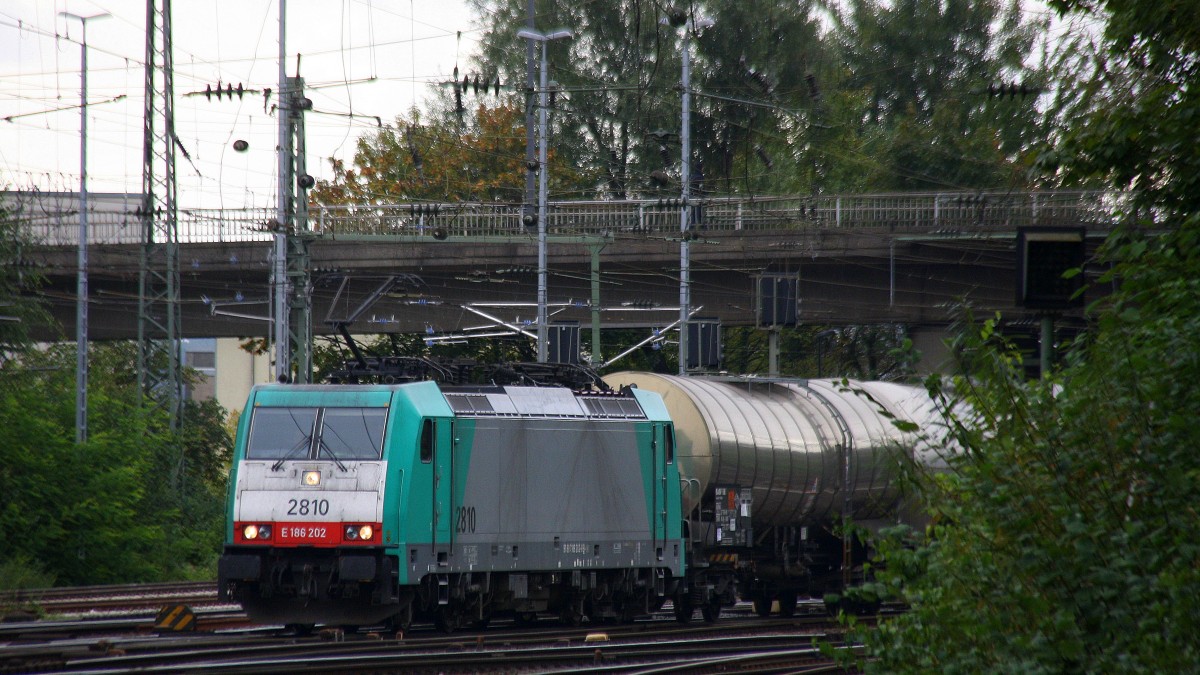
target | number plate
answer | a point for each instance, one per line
(308, 533)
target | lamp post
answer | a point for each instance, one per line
(81, 291)
(279, 286)
(685, 288)
(543, 106)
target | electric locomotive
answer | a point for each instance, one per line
(362, 504)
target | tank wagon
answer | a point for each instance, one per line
(770, 470)
(362, 504)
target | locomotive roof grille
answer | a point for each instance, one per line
(542, 403)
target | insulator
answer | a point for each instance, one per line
(497, 86)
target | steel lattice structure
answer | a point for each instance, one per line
(160, 373)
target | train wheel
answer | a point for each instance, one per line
(446, 618)
(711, 610)
(787, 604)
(572, 613)
(683, 608)
(403, 620)
(525, 618)
(762, 605)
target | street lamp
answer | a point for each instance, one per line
(543, 105)
(685, 291)
(81, 291)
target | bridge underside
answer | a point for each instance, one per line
(845, 278)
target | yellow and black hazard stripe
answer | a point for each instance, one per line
(175, 618)
(723, 558)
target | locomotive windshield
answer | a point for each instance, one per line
(343, 434)
(354, 433)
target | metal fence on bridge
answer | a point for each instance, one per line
(949, 212)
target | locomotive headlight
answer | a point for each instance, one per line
(312, 478)
(351, 532)
(366, 532)
(250, 532)
(264, 531)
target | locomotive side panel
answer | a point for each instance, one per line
(556, 494)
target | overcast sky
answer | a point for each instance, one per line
(403, 44)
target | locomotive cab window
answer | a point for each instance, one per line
(427, 441)
(333, 434)
(278, 433)
(353, 433)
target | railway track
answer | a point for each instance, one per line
(653, 645)
(68, 600)
(773, 646)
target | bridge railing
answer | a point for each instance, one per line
(951, 212)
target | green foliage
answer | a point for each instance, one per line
(1065, 526)
(789, 97)
(864, 352)
(925, 67)
(1128, 108)
(19, 278)
(479, 157)
(133, 503)
(21, 572)
(1066, 530)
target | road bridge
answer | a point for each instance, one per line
(464, 266)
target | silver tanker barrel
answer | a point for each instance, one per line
(809, 450)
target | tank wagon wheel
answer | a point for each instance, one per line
(762, 605)
(711, 610)
(787, 604)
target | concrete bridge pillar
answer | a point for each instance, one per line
(930, 342)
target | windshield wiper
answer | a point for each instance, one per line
(301, 444)
(322, 445)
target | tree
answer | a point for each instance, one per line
(928, 69)
(1065, 529)
(126, 505)
(755, 97)
(1128, 107)
(438, 160)
(19, 279)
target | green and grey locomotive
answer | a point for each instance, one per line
(361, 504)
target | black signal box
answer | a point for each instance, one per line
(1044, 255)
